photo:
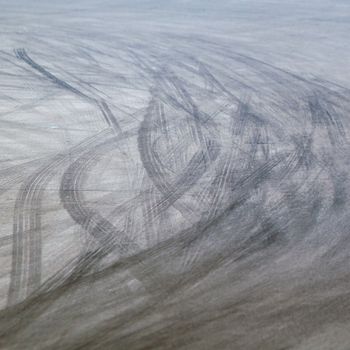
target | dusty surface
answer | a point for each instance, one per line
(175, 176)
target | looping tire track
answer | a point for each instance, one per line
(190, 174)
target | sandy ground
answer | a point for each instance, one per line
(174, 175)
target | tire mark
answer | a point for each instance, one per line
(26, 249)
(100, 103)
(89, 219)
(193, 171)
(22, 54)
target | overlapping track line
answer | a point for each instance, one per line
(269, 71)
(322, 116)
(259, 174)
(229, 84)
(150, 160)
(26, 247)
(100, 228)
(231, 173)
(153, 260)
(109, 237)
(212, 198)
(109, 116)
(102, 105)
(236, 160)
(297, 158)
(99, 102)
(286, 82)
(171, 90)
(266, 235)
(276, 217)
(277, 78)
(15, 174)
(10, 171)
(89, 219)
(171, 190)
(302, 167)
(176, 249)
(162, 257)
(181, 249)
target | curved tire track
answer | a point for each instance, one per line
(26, 247)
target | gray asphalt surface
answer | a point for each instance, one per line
(174, 175)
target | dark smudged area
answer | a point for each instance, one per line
(174, 176)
